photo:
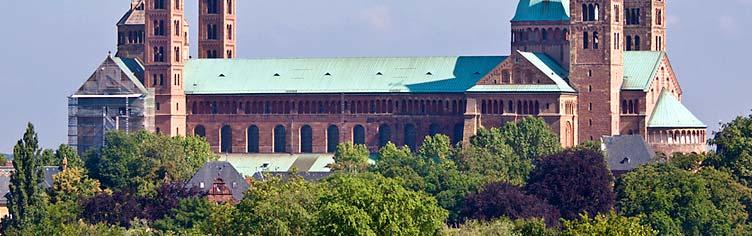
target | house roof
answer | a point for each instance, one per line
(133, 69)
(542, 10)
(6, 171)
(624, 153)
(640, 67)
(205, 177)
(670, 113)
(337, 75)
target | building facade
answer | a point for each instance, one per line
(589, 68)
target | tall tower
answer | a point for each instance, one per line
(597, 68)
(542, 26)
(645, 25)
(216, 29)
(164, 67)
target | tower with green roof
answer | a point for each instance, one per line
(542, 26)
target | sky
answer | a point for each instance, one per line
(49, 48)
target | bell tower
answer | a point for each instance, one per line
(165, 49)
(217, 28)
(597, 67)
(645, 25)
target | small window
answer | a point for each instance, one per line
(201, 185)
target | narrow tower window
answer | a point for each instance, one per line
(637, 43)
(595, 40)
(585, 40)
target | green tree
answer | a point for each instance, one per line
(503, 227)
(489, 155)
(369, 204)
(3, 159)
(350, 158)
(144, 160)
(26, 199)
(68, 153)
(609, 224)
(531, 138)
(734, 149)
(678, 202)
(277, 207)
(72, 184)
(189, 213)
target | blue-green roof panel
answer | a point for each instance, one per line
(337, 75)
(542, 10)
(640, 68)
(670, 113)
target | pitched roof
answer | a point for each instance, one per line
(337, 75)
(640, 67)
(205, 177)
(624, 153)
(133, 69)
(542, 10)
(670, 113)
(134, 16)
(6, 171)
(545, 65)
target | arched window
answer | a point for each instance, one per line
(591, 12)
(385, 135)
(359, 135)
(332, 138)
(459, 130)
(584, 12)
(629, 43)
(637, 43)
(410, 137)
(306, 139)
(624, 107)
(226, 139)
(596, 12)
(585, 40)
(631, 107)
(252, 141)
(596, 40)
(280, 139)
(434, 129)
(199, 131)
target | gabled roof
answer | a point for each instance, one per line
(205, 177)
(337, 75)
(133, 69)
(670, 113)
(6, 171)
(542, 10)
(118, 72)
(624, 153)
(545, 65)
(640, 67)
(134, 16)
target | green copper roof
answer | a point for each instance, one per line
(337, 75)
(670, 113)
(547, 66)
(542, 10)
(640, 67)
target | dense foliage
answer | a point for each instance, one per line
(516, 180)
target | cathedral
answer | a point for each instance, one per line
(589, 68)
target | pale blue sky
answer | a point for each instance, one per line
(48, 48)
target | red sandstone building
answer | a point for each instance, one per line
(590, 68)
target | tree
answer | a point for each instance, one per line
(610, 224)
(734, 149)
(144, 160)
(531, 138)
(503, 227)
(26, 199)
(350, 158)
(498, 200)
(3, 159)
(65, 152)
(72, 184)
(574, 182)
(369, 204)
(118, 208)
(189, 214)
(678, 202)
(490, 156)
(277, 207)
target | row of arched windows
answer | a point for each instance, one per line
(540, 35)
(131, 37)
(380, 106)
(630, 106)
(499, 107)
(306, 134)
(632, 15)
(590, 12)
